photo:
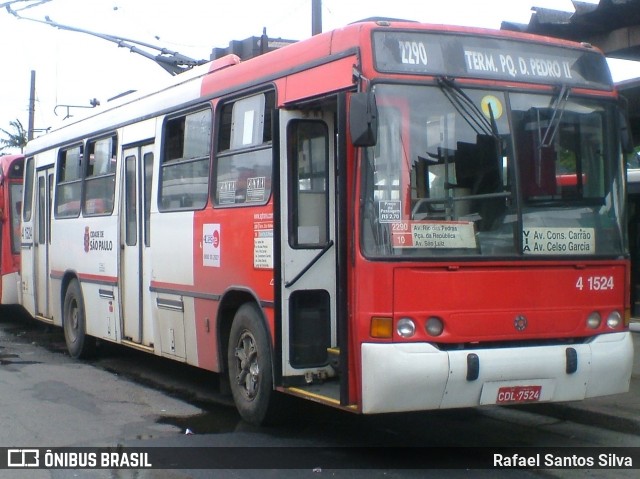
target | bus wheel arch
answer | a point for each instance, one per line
(249, 362)
(230, 303)
(79, 344)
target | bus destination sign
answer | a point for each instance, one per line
(491, 58)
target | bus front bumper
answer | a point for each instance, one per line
(418, 376)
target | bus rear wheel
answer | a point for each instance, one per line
(250, 368)
(79, 344)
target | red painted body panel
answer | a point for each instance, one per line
(236, 270)
(9, 262)
(482, 303)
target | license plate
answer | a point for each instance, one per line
(518, 394)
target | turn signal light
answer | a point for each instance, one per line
(381, 327)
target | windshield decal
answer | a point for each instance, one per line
(541, 240)
(491, 106)
(434, 234)
(389, 211)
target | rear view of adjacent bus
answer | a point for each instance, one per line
(11, 168)
(493, 222)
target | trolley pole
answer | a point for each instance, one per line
(316, 17)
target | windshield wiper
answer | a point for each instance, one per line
(559, 105)
(471, 113)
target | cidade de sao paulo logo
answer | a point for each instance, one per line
(95, 241)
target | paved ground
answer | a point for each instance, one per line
(620, 412)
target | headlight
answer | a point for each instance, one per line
(434, 326)
(614, 320)
(406, 327)
(594, 320)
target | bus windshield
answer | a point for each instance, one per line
(476, 172)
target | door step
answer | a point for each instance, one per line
(327, 393)
(44, 319)
(138, 346)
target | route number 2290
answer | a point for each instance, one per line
(595, 283)
(413, 53)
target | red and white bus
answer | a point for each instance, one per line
(387, 217)
(11, 171)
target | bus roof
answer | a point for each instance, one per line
(229, 74)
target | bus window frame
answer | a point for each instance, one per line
(79, 180)
(181, 161)
(225, 149)
(90, 178)
(313, 185)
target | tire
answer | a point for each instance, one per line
(250, 368)
(79, 344)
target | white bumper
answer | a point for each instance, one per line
(417, 376)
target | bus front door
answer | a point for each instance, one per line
(307, 261)
(136, 240)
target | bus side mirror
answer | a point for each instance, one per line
(363, 119)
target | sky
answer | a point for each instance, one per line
(73, 68)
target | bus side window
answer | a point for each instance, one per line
(69, 182)
(100, 177)
(243, 166)
(184, 168)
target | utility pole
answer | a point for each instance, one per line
(32, 105)
(316, 17)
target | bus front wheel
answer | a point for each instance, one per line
(79, 344)
(250, 368)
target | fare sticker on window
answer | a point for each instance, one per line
(389, 211)
(434, 234)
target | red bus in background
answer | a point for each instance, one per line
(11, 170)
(387, 217)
